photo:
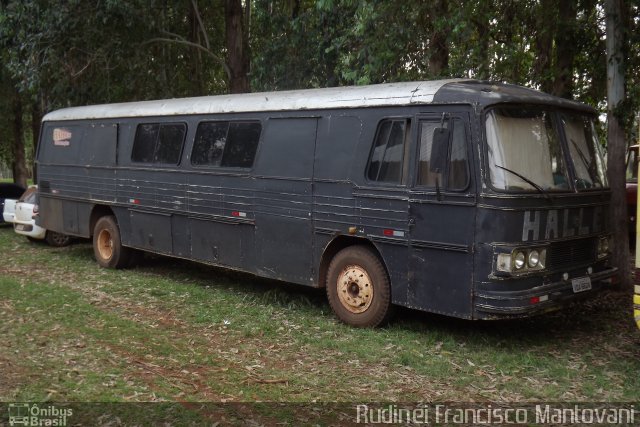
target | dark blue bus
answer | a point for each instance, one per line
(471, 199)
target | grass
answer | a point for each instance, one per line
(171, 330)
(10, 181)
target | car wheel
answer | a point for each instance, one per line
(57, 240)
(107, 246)
(358, 288)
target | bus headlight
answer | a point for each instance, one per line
(522, 260)
(518, 260)
(603, 247)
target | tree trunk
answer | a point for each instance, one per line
(237, 46)
(20, 171)
(194, 57)
(36, 118)
(546, 28)
(481, 21)
(438, 46)
(615, 136)
(566, 49)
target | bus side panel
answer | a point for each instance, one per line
(221, 219)
(154, 197)
(333, 202)
(383, 218)
(284, 239)
(284, 221)
(151, 231)
(76, 162)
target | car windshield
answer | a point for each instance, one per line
(525, 151)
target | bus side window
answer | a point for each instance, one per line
(457, 172)
(158, 143)
(227, 144)
(387, 158)
(242, 144)
(458, 162)
(145, 142)
(211, 137)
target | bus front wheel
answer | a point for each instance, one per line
(358, 288)
(107, 247)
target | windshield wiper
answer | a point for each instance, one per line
(584, 159)
(527, 180)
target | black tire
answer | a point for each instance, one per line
(57, 240)
(107, 246)
(358, 288)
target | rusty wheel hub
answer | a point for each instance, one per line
(105, 244)
(355, 289)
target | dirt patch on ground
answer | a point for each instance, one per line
(12, 374)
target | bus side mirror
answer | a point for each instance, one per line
(439, 150)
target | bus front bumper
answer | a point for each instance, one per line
(540, 299)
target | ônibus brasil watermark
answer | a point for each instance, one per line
(474, 414)
(38, 415)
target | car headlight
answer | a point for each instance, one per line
(533, 259)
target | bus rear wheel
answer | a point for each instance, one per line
(107, 246)
(358, 288)
(57, 240)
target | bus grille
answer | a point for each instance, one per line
(568, 254)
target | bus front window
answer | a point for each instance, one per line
(585, 152)
(524, 150)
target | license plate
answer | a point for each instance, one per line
(581, 284)
(19, 227)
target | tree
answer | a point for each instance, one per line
(565, 51)
(615, 27)
(237, 45)
(438, 40)
(19, 164)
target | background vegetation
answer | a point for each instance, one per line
(57, 53)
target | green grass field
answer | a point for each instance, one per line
(171, 330)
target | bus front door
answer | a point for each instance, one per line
(442, 216)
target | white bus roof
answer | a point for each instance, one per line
(379, 95)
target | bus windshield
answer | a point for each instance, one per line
(526, 154)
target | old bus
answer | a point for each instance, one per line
(465, 198)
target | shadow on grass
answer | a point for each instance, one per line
(579, 323)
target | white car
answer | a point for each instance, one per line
(9, 211)
(25, 223)
(9, 194)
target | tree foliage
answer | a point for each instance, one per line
(57, 53)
